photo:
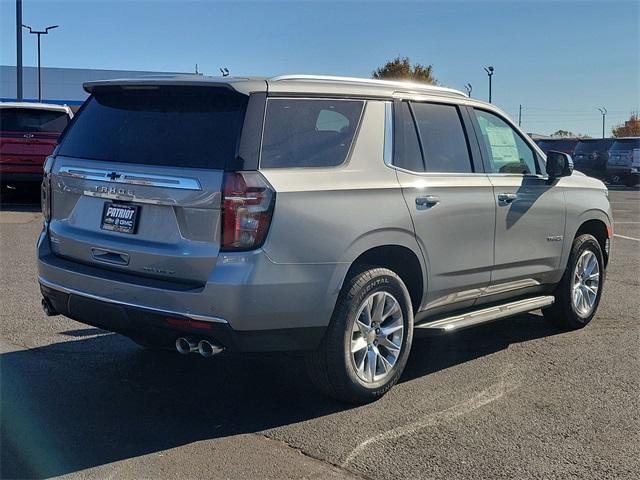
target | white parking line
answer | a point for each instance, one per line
(626, 238)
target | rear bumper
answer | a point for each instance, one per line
(623, 170)
(153, 325)
(248, 304)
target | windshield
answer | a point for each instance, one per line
(593, 146)
(33, 120)
(178, 126)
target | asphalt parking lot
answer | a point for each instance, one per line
(513, 399)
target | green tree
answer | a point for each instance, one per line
(630, 128)
(400, 68)
(568, 134)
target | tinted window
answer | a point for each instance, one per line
(507, 152)
(443, 139)
(408, 154)
(626, 144)
(32, 120)
(588, 146)
(178, 126)
(566, 146)
(308, 133)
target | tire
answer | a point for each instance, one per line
(566, 312)
(344, 375)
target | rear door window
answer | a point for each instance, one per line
(408, 154)
(308, 132)
(174, 126)
(32, 120)
(444, 142)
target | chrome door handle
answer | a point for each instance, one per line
(507, 197)
(427, 201)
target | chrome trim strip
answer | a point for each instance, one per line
(509, 286)
(193, 316)
(490, 314)
(145, 179)
(388, 134)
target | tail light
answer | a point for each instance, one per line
(247, 206)
(45, 189)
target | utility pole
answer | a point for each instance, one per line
(520, 116)
(489, 71)
(39, 33)
(469, 88)
(19, 50)
(603, 111)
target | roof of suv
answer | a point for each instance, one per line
(287, 84)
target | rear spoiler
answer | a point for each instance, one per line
(241, 85)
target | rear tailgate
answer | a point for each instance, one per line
(136, 186)
(174, 234)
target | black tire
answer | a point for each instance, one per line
(331, 368)
(563, 313)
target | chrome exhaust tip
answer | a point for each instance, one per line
(186, 345)
(208, 349)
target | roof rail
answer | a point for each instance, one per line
(368, 81)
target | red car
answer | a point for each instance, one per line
(28, 134)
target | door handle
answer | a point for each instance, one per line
(507, 197)
(427, 201)
(108, 256)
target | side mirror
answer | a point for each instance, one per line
(559, 164)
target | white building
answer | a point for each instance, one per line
(59, 85)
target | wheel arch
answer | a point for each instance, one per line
(402, 260)
(600, 230)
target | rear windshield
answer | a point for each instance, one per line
(593, 146)
(175, 126)
(557, 144)
(626, 144)
(32, 120)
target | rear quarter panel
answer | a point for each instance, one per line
(332, 215)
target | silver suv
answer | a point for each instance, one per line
(333, 216)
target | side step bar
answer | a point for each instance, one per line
(489, 314)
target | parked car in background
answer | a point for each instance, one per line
(28, 134)
(564, 145)
(624, 160)
(591, 155)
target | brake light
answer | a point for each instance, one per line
(45, 189)
(247, 206)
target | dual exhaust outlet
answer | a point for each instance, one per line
(206, 348)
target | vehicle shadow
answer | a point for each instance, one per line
(87, 402)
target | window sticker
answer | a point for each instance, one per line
(502, 142)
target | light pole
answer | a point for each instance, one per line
(469, 88)
(19, 50)
(603, 111)
(489, 71)
(39, 33)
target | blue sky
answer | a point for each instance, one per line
(560, 60)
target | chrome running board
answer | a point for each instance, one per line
(489, 314)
